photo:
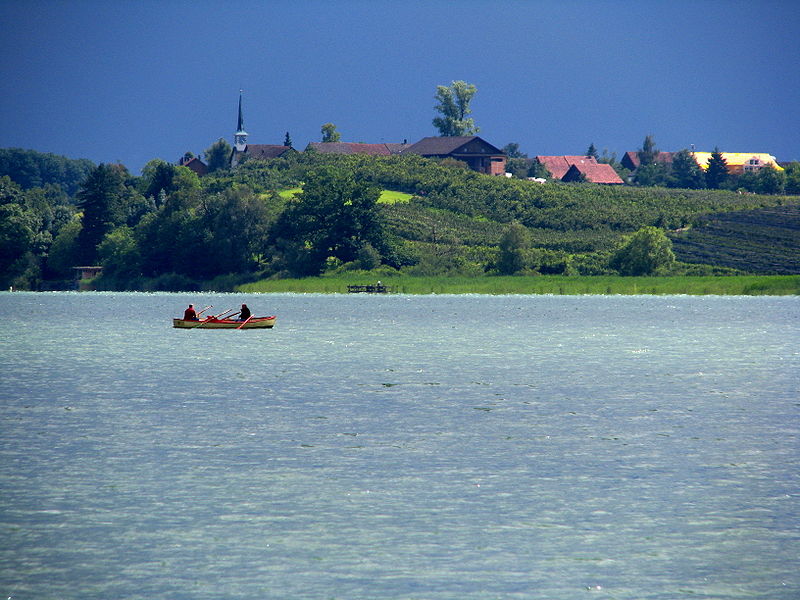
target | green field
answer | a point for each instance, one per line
(387, 196)
(749, 285)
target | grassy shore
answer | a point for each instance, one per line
(748, 285)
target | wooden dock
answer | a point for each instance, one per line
(377, 288)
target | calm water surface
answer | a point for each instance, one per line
(425, 447)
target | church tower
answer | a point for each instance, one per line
(240, 137)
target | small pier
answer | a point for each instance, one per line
(377, 288)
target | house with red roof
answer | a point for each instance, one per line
(594, 173)
(559, 165)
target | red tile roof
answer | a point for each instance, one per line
(594, 173)
(559, 165)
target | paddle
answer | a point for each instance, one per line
(245, 321)
(207, 319)
(205, 309)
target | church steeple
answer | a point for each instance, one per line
(240, 137)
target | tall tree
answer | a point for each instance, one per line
(453, 104)
(592, 152)
(218, 155)
(686, 173)
(512, 151)
(793, 178)
(770, 181)
(17, 232)
(287, 140)
(648, 152)
(717, 171)
(329, 133)
(100, 199)
(334, 216)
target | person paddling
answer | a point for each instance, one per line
(190, 314)
(245, 313)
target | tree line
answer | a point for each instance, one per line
(170, 229)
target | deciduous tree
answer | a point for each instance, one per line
(648, 251)
(453, 104)
(512, 151)
(334, 216)
(329, 133)
(770, 181)
(793, 178)
(512, 249)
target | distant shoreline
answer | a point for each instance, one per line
(734, 285)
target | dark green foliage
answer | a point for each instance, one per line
(334, 216)
(157, 176)
(17, 232)
(287, 140)
(218, 155)
(217, 227)
(592, 151)
(764, 240)
(31, 169)
(652, 175)
(793, 178)
(648, 152)
(537, 169)
(100, 199)
(686, 173)
(769, 181)
(512, 151)
(648, 251)
(717, 170)
(519, 167)
(512, 250)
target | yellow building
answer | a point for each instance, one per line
(740, 162)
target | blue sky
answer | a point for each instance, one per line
(132, 80)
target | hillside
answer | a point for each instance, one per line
(401, 214)
(765, 240)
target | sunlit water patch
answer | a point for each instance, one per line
(436, 447)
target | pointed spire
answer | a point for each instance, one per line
(240, 125)
(240, 137)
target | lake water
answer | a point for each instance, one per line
(387, 447)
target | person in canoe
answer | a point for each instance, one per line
(190, 314)
(245, 313)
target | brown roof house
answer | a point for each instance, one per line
(479, 154)
(356, 148)
(593, 173)
(559, 165)
(259, 152)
